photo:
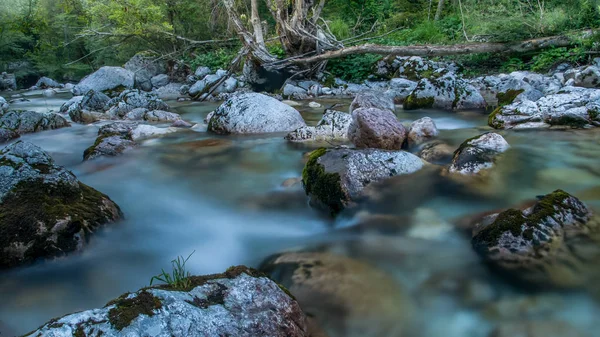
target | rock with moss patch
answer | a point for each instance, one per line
(239, 302)
(411, 67)
(376, 128)
(421, 130)
(552, 243)
(47, 83)
(88, 109)
(106, 79)
(437, 152)
(588, 77)
(345, 296)
(21, 121)
(399, 89)
(572, 107)
(70, 105)
(332, 127)
(45, 211)
(372, 99)
(113, 139)
(254, 113)
(335, 178)
(445, 91)
(478, 153)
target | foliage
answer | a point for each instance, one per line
(353, 68)
(179, 277)
(214, 59)
(513, 64)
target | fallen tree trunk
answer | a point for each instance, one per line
(445, 50)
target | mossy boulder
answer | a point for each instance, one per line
(478, 153)
(239, 302)
(346, 297)
(333, 127)
(45, 211)
(552, 243)
(445, 90)
(87, 109)
(253, 113)
(334, 179)
(129, 100)
(571, 107)
(22, 121)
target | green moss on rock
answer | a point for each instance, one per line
(128, 309)
(321, 185)
(412, 102)
(29, 213)
(505, 98)
(493, 122)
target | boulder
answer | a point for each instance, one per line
(294, 92)
(46, 211)
(445, 91)
(552, 243)
(437, 152)
(70, 105)
(169, 91)
(7, 134)
(106, 79)
(149, 131)
(573, 107)
(375, 128)
(340, 295)
(335, 178)
(152, 116)
(588, 77)
(21, 121)
(372, 99)
(411, 67)
(201, 72)
(3, 105)
(332, 127)
(160, 80)
(422, 130)
(47, 83)
(478, 153)
(202, 85)
(144, 66)
(399, 89)
(254, 113)
(88, 109)
(239, 302)
(8, 81)
(113, 139)
(128, 100)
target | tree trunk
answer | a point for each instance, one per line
(440, 50)
(256, 25)
(438, 12)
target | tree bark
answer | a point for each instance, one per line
(438, 12)
(256, 25)
(441, 50)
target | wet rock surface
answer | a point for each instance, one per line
(46, 211)
(106, 79)
(478, 154)
(239, 302)
(376, 128)
(332, 127)
(21, 122)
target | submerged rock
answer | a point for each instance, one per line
(109, 79)
(46, 211)
(437, 152)
(571, 107)
(422, 130)
(445, 91)
(552, 243)
(21, 121)
(478, 153)
(335, 178)
(376, 128)
(346, 297)
(113, 139)
(254, 113)
(333, 127)
(239, 302)
(372, 99)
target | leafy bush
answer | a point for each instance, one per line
(353, 68)
(215, 59)
(513, 64)
(340, 29)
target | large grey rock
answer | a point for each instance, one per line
(152, 116)
(478, 154)
(8, 81)
(201, 72)
(159, 80)
(46, 211)
(372, 99)
(570, 107)
(113, 139)
(239, 302)
(422, 130)
(332, 127)
(295, 92)
(21, 121)
(88, 109)
(169, 91)
(376, 128)
(555, 242)
(445, 91)
(335, 178)
(109, 79)
(516, 87)
(144, 66)
(128, 100)
(202, 85)
(588, 77)
(254, 113)
(399, 89)
(46, 83)
(411, 67)
(3, 104)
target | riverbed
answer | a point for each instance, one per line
(222, 199)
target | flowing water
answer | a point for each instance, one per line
(222, 198)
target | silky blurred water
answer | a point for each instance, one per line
(222, 198)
